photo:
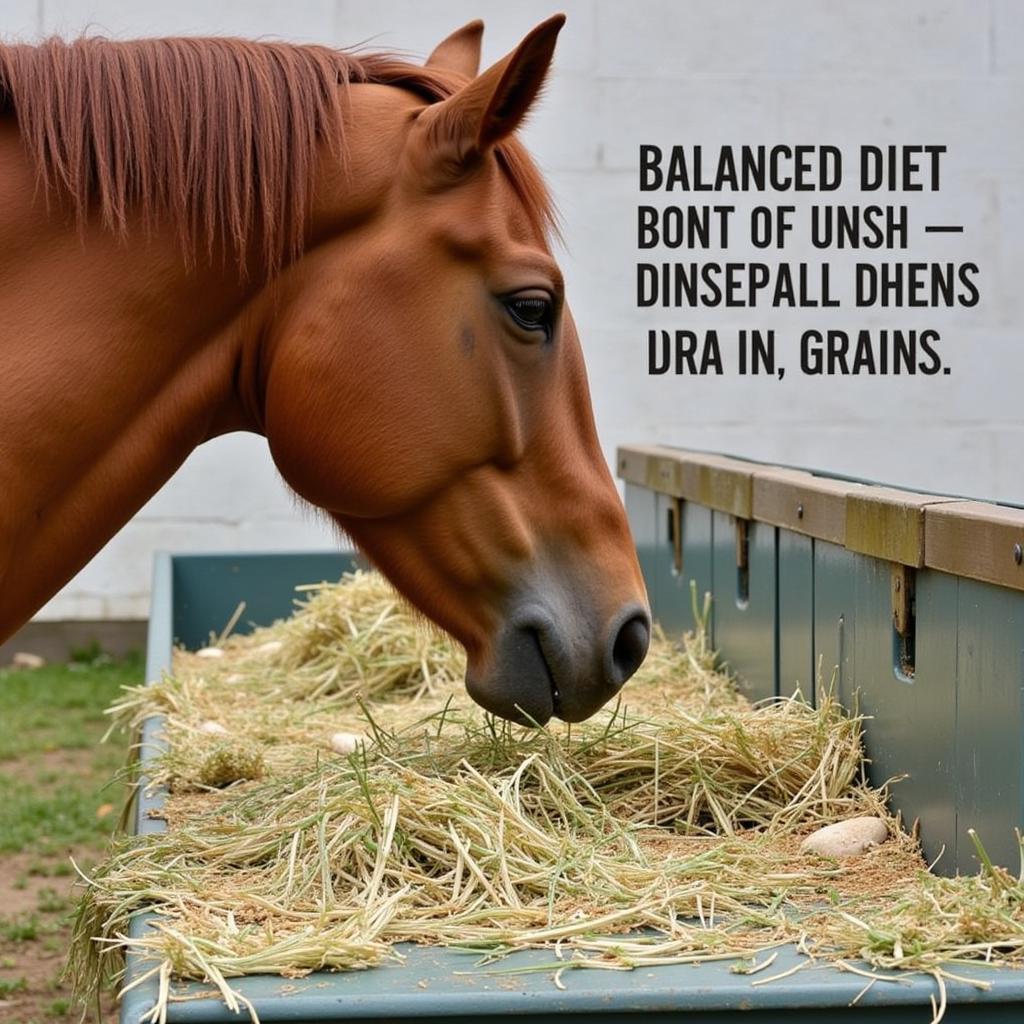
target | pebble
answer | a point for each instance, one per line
(345, 742)
(213, 728)
(23, 659)
(851, 838)
(210, 652)
(270, 647)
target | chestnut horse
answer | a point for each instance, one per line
(347, 254)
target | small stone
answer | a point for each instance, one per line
(235, 677)
(23, 659)
(210, 652)
(269, 648)
(346, 742)
(852, 838)
(212, 728)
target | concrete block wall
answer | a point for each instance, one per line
(688, 71)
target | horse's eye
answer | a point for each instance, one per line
(531, 312)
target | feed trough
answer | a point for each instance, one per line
(193, 593)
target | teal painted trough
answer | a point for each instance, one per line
(915, 602)
(803, 569)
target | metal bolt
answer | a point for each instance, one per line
(896, 584)
(1018, 553)
(799, 511)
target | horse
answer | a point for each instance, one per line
(349, 254)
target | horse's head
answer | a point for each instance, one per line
(426, 386)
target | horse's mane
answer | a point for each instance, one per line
(220, 136)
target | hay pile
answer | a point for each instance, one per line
(680, 809)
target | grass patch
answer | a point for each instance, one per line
(9, 988)
(54, 773)
(49, 901)
(60, 707)
(19, 929)
(55, 797)
(50, 823)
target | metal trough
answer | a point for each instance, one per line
(916, 601)
(193, 594)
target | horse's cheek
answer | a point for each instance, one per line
(297, 457)
(350, 445)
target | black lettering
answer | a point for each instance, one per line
(656, 365)
(811, 357)
(646, 284)
(870, 168)
(968, 297)
(647, 227)
(650, 168)
(934, 364)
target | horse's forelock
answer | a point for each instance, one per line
(218, 135)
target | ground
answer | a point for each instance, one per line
(57, 803)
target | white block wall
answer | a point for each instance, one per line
(689, 71)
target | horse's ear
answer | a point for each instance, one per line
(460, 52)
(492, 106)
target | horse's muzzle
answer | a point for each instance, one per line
(546, 665)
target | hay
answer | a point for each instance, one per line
(680, 810)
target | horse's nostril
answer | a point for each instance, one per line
(629, 648)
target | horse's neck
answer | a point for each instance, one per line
(116, 362)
